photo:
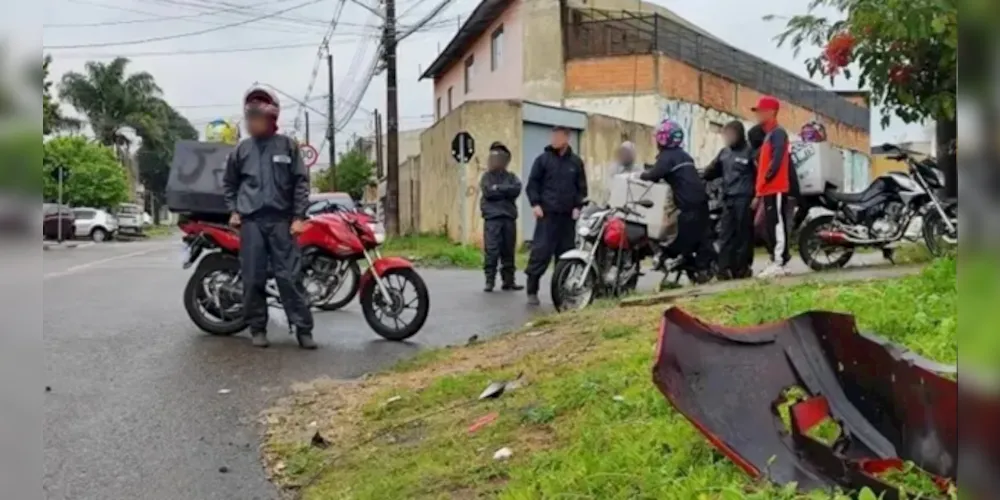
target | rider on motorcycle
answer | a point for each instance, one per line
(677, 168)
(267, 193)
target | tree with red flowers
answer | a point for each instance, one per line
(904, 52)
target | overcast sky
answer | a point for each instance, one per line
(205, 83)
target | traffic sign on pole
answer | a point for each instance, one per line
(309, 155)
(463, 146)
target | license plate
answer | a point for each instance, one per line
(186, 256)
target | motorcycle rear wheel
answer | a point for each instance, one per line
(371, 292)
(195, 294)
(809, 240)
(354, 275)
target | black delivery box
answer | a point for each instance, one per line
(195, 182)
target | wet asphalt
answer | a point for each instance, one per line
(135, 409)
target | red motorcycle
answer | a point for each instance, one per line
(330, 242)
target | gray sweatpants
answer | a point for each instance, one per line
(268, 243)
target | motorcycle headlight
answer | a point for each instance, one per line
(583, 230)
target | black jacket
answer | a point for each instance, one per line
(267, 176)
(557, 183)
(500, 189)
(737, 167)
(676, 167)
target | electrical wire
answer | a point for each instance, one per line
(281, 29)
(157, 19)
(229, 50)
(324, 45)
(294, 21)
(427, 18)
(181, 35)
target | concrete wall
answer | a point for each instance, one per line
(409, 145)
(503, 83)
(409, 195)
(448, 196)
(700, 102)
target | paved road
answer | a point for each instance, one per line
(135, 409)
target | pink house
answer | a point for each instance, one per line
(483, 61)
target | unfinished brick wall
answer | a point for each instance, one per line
(676, 80)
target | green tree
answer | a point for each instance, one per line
(353, 173)
(905, 51)
(96, 179)
(156, 152)
(52, 117)
(112, 99)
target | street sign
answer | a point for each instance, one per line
(309, 155)
(60, 174)
(463, 147)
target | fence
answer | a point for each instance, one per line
(596, 33)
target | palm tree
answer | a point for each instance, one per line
(110, 99)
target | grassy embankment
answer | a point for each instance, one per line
(433, 250)
(587, 423)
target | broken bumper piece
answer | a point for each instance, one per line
(888, 405)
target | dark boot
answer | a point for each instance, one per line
(533, 291)
(306, 340)
(511, 285)
(490, 284)
(259, 339)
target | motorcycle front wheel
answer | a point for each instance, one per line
(936, 235)
(566, 294)
(399, 316)
(211, 299)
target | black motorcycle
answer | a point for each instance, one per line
(880, 216)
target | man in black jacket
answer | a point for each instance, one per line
(267, 193)
(500, 189)
(736, 166)
(557, 188)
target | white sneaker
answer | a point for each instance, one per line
(773, 270)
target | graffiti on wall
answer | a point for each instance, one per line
(703, 139)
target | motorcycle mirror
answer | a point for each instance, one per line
(645, 203)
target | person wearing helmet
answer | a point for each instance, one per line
(267, 192)
(675, 167)
(735, 165)
(625, 164)
(500, 189)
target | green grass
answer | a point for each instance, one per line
(158, 231)
(433, 250)
(587, 423)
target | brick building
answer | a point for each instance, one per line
(637, 62)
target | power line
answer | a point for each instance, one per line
(157, 19)
(298, 30)
(181, 35)
(221, 50)
(295, 21)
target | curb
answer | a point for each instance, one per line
(842, 276)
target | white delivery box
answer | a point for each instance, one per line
(817, 163)
(660, 219)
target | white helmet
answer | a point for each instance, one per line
(261, 100)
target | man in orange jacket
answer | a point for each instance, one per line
(774, 170)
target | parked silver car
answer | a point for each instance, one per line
(96, 224)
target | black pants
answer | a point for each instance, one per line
(267, 243)
(554, 235)
(736, 252)
(776, 227)
(692, 238)
(499, 242)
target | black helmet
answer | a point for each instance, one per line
(261, 100)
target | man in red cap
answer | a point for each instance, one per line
(773, 184)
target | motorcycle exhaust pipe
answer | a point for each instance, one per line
(841, 238)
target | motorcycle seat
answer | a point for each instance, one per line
(847, 197)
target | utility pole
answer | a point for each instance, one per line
(392, 122)
(307, 128)
(377, 144)
(331, 122)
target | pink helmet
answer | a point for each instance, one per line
(669, 134)
(813, 132)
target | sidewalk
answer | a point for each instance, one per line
(52, 245)
(842, 275)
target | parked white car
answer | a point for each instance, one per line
(147, 220)
(129, 218)
(94, 223)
